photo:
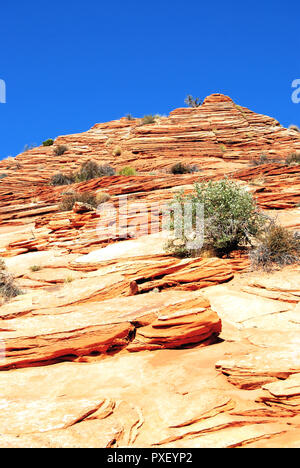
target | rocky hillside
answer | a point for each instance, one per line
(116, 343)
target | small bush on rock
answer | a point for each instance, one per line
(231, 218)
(69, 199)
(127, 171)
(117, 151)
(91, 170)
(276, 246)
(102, 197)
(60, 150)
(34, 268)
(293, 158)
(48, 142)
(193, 102)
(148, 119)
(8, 287)
(180, 168)
(264, 159)
(62, 179)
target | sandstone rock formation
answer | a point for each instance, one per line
(116, 343)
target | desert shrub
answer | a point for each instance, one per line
(62, 179)
(264, 159)
(180, 168)
(293, 158)
(8, 287)
(231, 218)
(60, 150)
(48, 142)
(148, 119)
(2, 176)
(193, 102)
(35, 268)
(117, 151)
(294, 127)
(70, 198)
(69, 279)
(91, 170)
(102, 197)
(129, 117)
(276, 246)
(127, 171)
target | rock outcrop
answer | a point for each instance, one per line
(114, 342)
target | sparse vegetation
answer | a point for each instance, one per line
(102, 197)
(34, 268)
(2, 176)
(264, 159)
(127, 171)
(62, 179)
(89, 170)
(60, 150)
(193, 102)
(69, 279)
(48, 142)
(8, 286)
(293, 159)
(70, 198)
(276, 246)
(180, 168)
(148, 119)
(129, 117)
(231, 219)
(117, 151)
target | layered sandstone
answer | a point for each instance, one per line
(116, 343)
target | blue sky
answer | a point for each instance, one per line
(69, 64)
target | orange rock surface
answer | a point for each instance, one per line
(114, 342)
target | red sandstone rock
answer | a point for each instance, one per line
(154, 361)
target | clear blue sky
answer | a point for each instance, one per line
(70, 64)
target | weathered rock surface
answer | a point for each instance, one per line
(115, 343)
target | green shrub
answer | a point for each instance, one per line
(69, 199)
(2, 176)
(49, 142)
(148, 119)
(293, 158)
(127, 171)
(180, 168)
(193, 102)
(60, 150)
(129, 117)
(231, 218)
(8, 287)
(276, 246)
